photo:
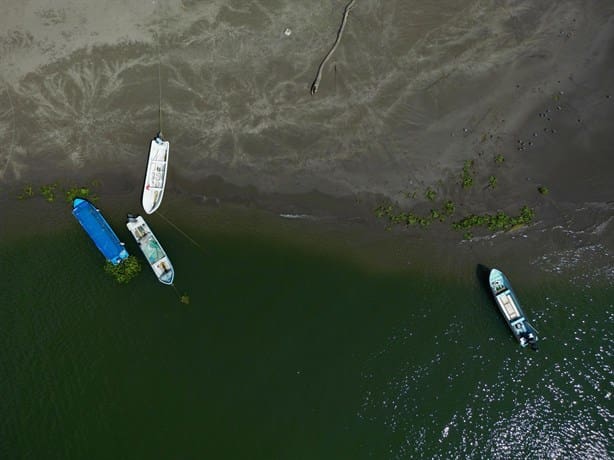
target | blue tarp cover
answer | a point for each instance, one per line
(99, 230)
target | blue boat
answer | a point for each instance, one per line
(510, 309)
(99, 231)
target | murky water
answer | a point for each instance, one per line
(289, 352)
(291, 347)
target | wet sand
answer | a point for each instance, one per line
(412, 92)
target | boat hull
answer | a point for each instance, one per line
(509, 306)
(151, 249)
(155, 177)
(99, 231)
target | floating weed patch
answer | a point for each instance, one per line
(80, 192)
(48, 192)
(125, 270)
(27, 192)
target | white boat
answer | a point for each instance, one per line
(150, 246)
(155, 178)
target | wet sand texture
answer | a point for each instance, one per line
(412, 91)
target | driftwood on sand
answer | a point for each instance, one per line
(316, 82)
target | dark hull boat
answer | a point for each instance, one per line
(510, 309)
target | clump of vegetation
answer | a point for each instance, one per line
(499, 159)
(467, 235)
(495, 222)
(125, 270)
(492, 182)
(467, 177)
(27, 192)
(430, 194)
(185, 299)
(449, 207)
(543, 190)
(80, 192)
(48, 192)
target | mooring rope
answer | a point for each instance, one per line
(157, 34)
(180, 231)
(316, 83)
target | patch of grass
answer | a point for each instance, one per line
(430, 194)
(543, 190)
(495, 222)
(125, 270)
(27, 192)
(80, 192)
(467, 235)
(467, 176)
(492, 182)
(449, 207)
(48, 191)
(499, 159)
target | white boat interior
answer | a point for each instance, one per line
(155, 177)
(150, 246)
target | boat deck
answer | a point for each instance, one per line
(508, 306)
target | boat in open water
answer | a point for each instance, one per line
(510, 309)
(155, 177)
(151, 248)
(99, 231)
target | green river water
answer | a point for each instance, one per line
(285, 352)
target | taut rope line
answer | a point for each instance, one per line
(180, 231)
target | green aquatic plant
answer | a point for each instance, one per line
(467, 235)
(449, 207)
(27, 192)
(543, 190)
(499, 159)
(430, 194)
(492, 182)
(48, 191)
(496, 222)
(125, 270)
(185, 299)
(383, 210)
(80, 192)
(467, 178)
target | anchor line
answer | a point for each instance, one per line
(159, 84)
(157, 34)
(180, 231)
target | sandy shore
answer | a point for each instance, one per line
(411, 94)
